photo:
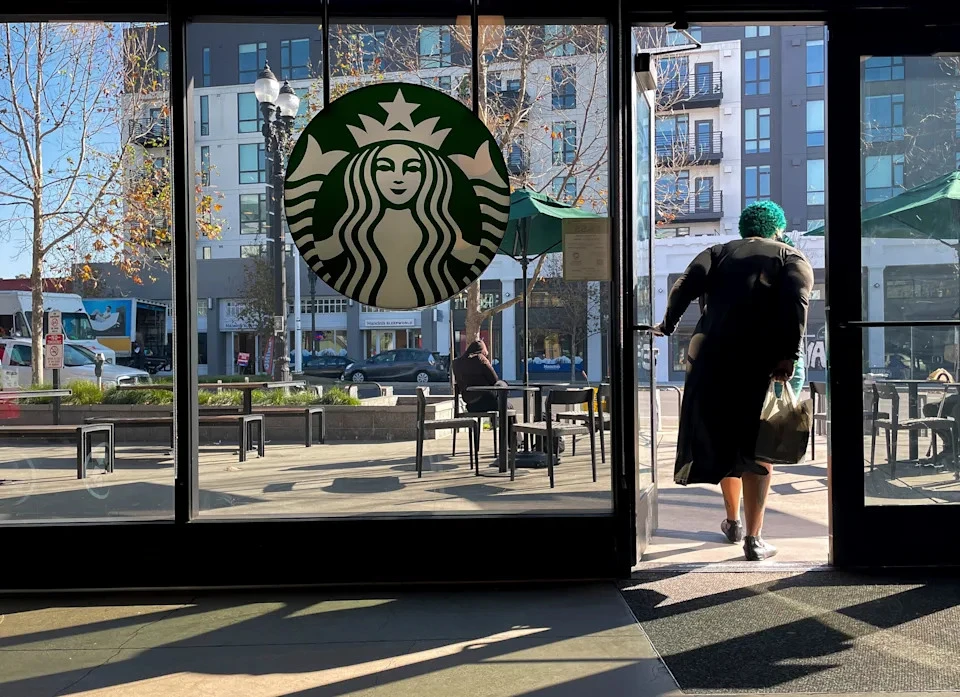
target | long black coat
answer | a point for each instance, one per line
(755, 294)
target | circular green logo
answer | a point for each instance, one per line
(397, 196)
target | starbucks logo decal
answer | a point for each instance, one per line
(396, 196)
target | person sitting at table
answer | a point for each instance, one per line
(951, 409)
(474, 369)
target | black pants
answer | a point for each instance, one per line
(482, 402)
(951, 409)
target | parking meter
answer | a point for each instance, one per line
(98, 369)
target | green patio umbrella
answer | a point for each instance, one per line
(535, 229)
(929, 211)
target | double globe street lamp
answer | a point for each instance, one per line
(279, 105)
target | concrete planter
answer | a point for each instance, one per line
(377, 419)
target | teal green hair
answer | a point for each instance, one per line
(762, 219)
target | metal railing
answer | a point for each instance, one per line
(684, 149)
(705, 205)
(150, 133)
(699, 87)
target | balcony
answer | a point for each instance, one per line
(680, 151)
(150, 133)
(706, 206)
(691, 91)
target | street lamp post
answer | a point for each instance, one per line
(279, 106)
(312, 278)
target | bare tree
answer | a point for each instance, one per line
(256, 309)
(553, 132)
(74, 179)
(675, 148)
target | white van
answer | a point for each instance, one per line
(16, 310)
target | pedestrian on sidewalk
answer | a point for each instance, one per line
(754, 294)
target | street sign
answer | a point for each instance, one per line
(55, 322)
(54, 355)
(278, 324)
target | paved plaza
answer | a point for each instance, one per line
(38, 482)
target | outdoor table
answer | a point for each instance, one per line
(913, 405)
(503, 395)
(246, 387)
(537, 405)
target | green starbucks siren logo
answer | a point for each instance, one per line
(397, 196)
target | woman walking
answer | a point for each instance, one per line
(754, 293)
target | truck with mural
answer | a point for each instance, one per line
(122, 322)
(16, 311)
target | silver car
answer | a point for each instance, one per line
(16, 359)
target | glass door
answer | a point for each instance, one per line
(895, 300)
(641, 206)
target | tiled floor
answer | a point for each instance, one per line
(540, 642)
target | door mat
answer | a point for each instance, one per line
(801, 632)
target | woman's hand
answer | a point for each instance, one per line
(657, 330)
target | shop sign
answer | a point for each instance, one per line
(243, 359)
(399, 323)
(397, 196)
(231, 319)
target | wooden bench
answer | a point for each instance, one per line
(82, 434)
(308, 413)
(245, 424)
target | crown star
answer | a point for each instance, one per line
(398, 112)
(398, 115)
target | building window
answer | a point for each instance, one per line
(205, 115)
(882, 177)
(253, 164)
(674, 74)
(815, 123)
(249, 117)
(303, 113)
(295, 59)
(163, 61)
(672, 136)
(674, 189)
(815, 179)
(757, 184)
(703, 186)
(558, 40)
(206, 67)
(564, 142)
(883, 118)
(564, 81)
(565, 189)
(815, 63)
(435, 47)
(677, 38)
(443, 83)
(205, 165)
(251, 251)
(756, 72)
(253, 214)
(881, 68)
(756, 130)
(206, 252)
(752, 32)
(252, 59)
(956, 106)
(814, 223)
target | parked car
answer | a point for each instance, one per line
(327, 366)
(16, 357)
(401, 364)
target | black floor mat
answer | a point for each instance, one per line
(813, 632)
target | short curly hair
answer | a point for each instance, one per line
(762, 219)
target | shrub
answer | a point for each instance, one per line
(337, 396)
(84, 393)
(227, 398)
(145, 397)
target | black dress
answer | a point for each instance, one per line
(754, 295)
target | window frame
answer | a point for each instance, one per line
(760, 120)
(263, 220)
(258, 123)
(260, 173)
(564, 146)
(816, 196)
(248, 76)
(816, 138)
(761, 174)
(761, 85)
(563, 87)
(815, 78)
(289, 70)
